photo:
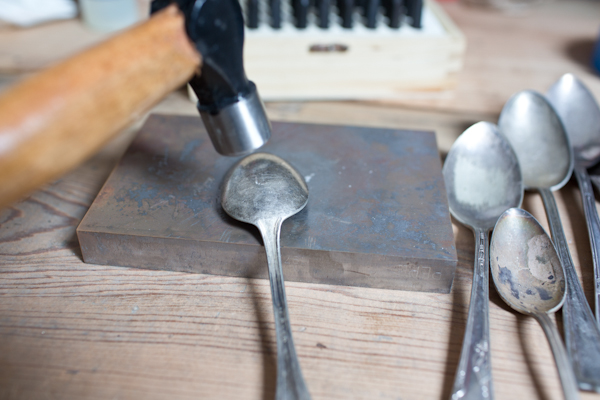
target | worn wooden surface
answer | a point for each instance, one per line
(530, 49)
(69, 330)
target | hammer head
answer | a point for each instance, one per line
(228, 102)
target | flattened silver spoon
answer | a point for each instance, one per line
(536, 133)
(483, 179)
(580, 115)
(264, 190)
(530, 279)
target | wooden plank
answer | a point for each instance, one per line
(509, 52)
(70, 330)
(33, 48)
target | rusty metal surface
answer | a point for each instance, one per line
(377, 214)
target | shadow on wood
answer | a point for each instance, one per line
(581, 51)
(529, 358)
(571, 196)
(267, 342)
(460, 296)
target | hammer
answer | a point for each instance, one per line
(53, 121)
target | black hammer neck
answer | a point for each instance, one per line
(228, 102)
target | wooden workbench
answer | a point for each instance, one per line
(70, 330)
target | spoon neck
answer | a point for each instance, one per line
(290, 382)
(474, 374)
(482, 257)
(482, 251)
(593, 226)
(478, 232)
(270, 231)
(558, 235)
(269, 226)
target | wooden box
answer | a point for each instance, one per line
(381, 63)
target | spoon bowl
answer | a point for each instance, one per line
(525, 267)
(263, 186)
(530, 279)
(482, 176)
(537, 135)
(264, 190)
(580, 115)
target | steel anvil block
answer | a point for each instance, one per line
(377, 215)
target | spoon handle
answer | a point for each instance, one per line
(565, 371)
(582, 335)
(474, 375)
(290, 382)
(593, 225)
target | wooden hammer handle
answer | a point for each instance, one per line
(55, 120)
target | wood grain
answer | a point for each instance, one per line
(58, 118)
(70, 330)
(526, 49)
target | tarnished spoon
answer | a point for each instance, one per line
(580, 115)
(264, 190)
(536, 133)
(482, 178)
(531, 279)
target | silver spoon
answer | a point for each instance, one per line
(580, 115)
(531, 280)
(482, 178)
(536, 133)
(264, 190)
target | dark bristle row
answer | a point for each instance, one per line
(325, 13)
